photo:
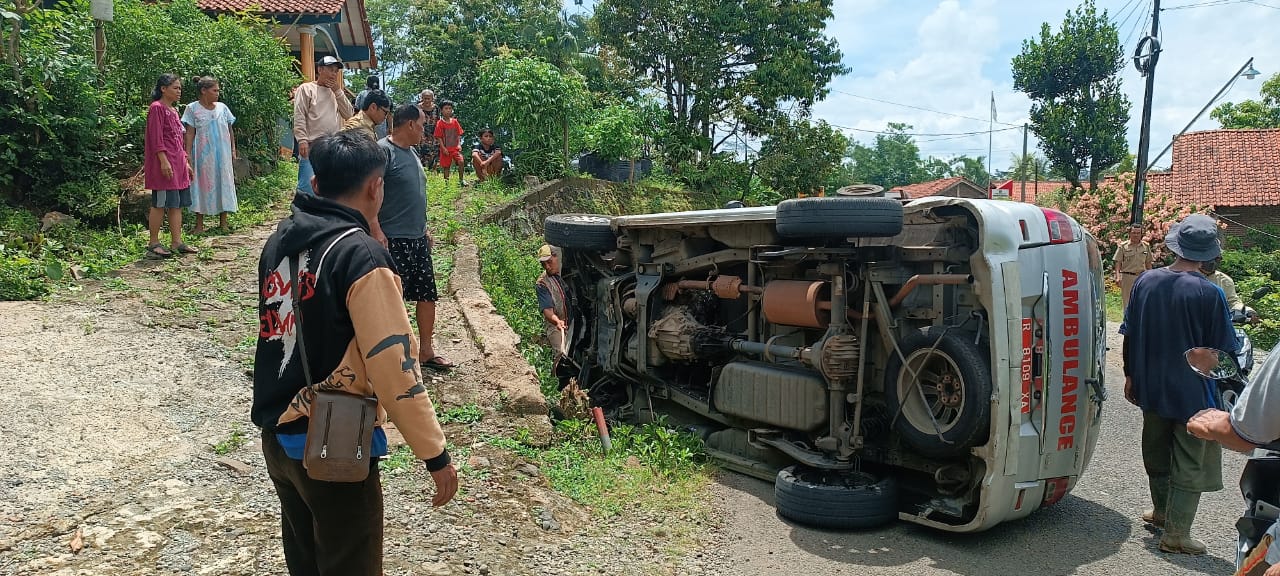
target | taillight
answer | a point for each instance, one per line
(1055, 489)
(1060, 230)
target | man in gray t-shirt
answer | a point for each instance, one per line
(1255, 419)
(403, 219)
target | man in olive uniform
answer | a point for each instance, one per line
(1132, 259)
(554, 302)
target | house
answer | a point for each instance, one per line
(313, 28)
(956, 186)
(1236, 173)
(1034, 189)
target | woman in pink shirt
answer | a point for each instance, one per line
(166, 169)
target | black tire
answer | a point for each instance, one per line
(839, 217)
(961, 409)
(579, 232)
(835, 499)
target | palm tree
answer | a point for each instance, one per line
(1028, 167)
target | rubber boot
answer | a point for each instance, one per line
(1159, 500)
(1177, 525)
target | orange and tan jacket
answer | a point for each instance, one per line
(355, 326)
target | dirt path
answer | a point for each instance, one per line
(124, 389)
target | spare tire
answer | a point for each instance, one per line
(835, 499)
(579, 232)
(839, 217)
(956, 382)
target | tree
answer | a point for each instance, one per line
(1126, 165)
(538, 102)
(439, 44)
(1072, 77)
(894, 160)
(973, 169)
(1264, 113)
(731, 62)
(1028, 167)
(800, 156)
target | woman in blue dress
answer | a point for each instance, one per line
(212, 148)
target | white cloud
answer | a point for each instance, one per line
(951, 55)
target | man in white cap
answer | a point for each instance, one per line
(1172, 310)
(319, 109)
(553, 300)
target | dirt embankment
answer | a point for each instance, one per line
(129, 449)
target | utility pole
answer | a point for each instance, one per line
(991, 128)
(1147, 67)
(1022, 174)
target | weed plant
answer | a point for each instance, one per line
(33, 264)
(652, 467)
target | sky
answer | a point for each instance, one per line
(951, 56)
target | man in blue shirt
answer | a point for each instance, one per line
(1171, 310)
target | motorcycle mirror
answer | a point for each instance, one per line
(1261, 291)
(1212, 363)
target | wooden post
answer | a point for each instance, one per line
(307, 47)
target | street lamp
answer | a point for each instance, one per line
(1246, 71)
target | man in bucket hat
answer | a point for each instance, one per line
(1171, 310)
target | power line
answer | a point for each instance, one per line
(1247, 227)
(1117, 12)
(1205, 4)
(921, 108)
(977, 133)
(1139, 22)
(1132, 11)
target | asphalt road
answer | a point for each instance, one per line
(1095, 530)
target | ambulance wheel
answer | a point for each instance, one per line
(955, 412)
(836, 499)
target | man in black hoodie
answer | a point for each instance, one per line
(358, 340)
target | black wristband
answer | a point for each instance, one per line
(439, 462)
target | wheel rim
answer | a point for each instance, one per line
(943, 388)
(842, 478)
(585, 219)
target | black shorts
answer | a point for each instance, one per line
(413, 261)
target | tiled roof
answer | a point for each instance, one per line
(274, 6)
(934, 187)
(1224, 168)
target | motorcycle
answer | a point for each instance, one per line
(1229, 390)
(1260, 481)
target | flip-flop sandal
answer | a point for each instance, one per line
(438, 363)
(158, 251)
(184, 249)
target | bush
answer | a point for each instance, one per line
(724, 179)
(253, 67)
(537, 102)
(1266, 333)
(615, 134)
(67, 128)
(1241, 263)
(1105, 214)
(57, 139)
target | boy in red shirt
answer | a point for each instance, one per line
(448, 136)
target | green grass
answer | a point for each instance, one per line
(651, 468)
(233, 441)
(399, 460)
(1115, 310)
(465, 414)
(33, 265)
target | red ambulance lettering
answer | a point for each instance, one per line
(1070, 359)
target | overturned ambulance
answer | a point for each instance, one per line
(939, 362)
